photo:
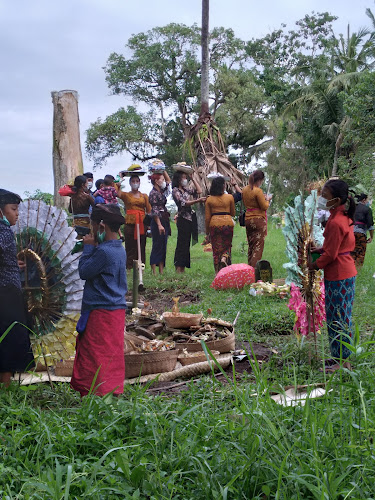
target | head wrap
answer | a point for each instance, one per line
(7, 197)
(108, 214)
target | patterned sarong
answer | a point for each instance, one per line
(360, 249)
(339, 297)
(221, 241)
(256, 231)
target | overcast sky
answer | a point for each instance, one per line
(49, 45)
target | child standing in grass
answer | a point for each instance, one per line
(100, 362)
(338, 265)
(15, 350)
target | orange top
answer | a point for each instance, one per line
(131, 202)
(255, 201)
(218, 204)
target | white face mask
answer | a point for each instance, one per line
(134, 186)
(163, 185)
(89, 185)
(184, 182)
(322, 203)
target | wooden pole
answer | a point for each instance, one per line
(67, 155)
(135, 283)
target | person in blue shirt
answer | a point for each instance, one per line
(99, 184)
(99, 364)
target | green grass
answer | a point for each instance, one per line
(214, 441)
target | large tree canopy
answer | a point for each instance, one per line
(296, 100)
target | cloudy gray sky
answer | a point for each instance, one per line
(54, 45)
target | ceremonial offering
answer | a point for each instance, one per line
(156, 166)
(134, 169)
(182, 167)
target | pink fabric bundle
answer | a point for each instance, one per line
(234, 276)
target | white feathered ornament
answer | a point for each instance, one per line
(52, 286)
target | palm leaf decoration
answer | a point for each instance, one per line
(51, 283)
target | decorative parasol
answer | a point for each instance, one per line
(51, 283)
(302, 231)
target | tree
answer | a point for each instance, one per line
(162, 76)
(67, 155)
(39, 195)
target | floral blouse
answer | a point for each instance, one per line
(158, 200)
(181, 196)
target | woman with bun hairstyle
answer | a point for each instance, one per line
(338, 266)
(256, 204)
(219, 223)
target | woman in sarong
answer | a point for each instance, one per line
(80, 205)
(187, 226)
(363, 222)
(256, 204)
(338, 266)
(160, 225)
(137, 206)
(15, 350)
(99, 364)
(219, 223)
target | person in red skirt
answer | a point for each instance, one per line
(99, 365)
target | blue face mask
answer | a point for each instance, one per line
(4, 219)
(100, 236)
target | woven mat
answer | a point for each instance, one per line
(188, 371)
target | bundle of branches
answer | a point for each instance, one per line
(208, 153)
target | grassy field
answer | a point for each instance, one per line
(215, 440)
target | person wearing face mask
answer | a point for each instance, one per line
(187, 226)
(338, 266)
(363, 222)
(99, 357)
(90, 181)
(136, 206)
(15, 350)
(160, 225)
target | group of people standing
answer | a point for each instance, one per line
(219, 213)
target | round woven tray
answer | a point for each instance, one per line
(150, 362)
(182, 320)
(190, 360)
(223, 345)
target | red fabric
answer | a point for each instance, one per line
(234, 276)
(339, 241)
(139, 216)
(101, 349)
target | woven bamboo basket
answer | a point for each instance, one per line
(64, 368)
(198, 358)
(223, 345)
(150, 362)
(182, 320)
(131, 341)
